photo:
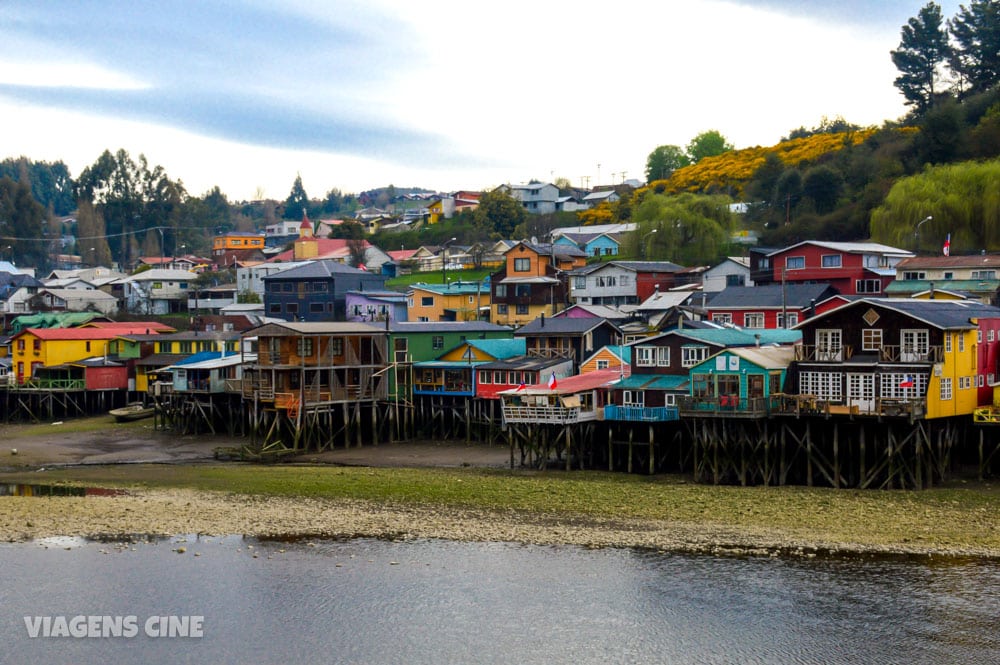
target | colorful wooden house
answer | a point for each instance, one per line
(454, 373)
(41, 347)
(454, 301)
(771, 305)
(572, 399)
(532, 281)
(900, 356)
(738, 382)
(495, 377)
(612, 356)
(90, 374)
(571, 338)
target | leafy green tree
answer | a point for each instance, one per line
(51, 184)
(690, 229)
(350, 229)
(707, 144)
(976, 55)
(923, 49)
(942, 135)
(822, 185)
(663, 161)
(297, 203)
(499, 213)
(963, 199)
(761, 185)
(22, 224)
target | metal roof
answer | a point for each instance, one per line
(562, 326)
(771, 296)
(943, 314)
(654, 382)
(466, 327)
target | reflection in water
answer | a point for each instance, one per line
(365, 601)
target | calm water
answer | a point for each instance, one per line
(365, 601)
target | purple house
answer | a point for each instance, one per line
(376, 306)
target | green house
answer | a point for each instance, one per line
(411, 342)
(737, 382)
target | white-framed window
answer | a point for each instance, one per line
(722, 318)
(753, 320)
(522, 265)
(896, 385)
(980, 380)
(871, 339)
(427, 301)
(692, 355)
(633, 398)
(645, 356)
(826, 386)
(914, 345)
(828, 347)
(580, 282)
(947, 342)
(979, 336)
(484, 377)
(623, 280)
(964, 382)
(867, 286)
(792, 319)
(990, 335)
(502, 308)
(602, 364)
(663, 356)
(984, 274)
(831, 261)
(914, 275)
(945, 388)
(961, 342)
(795, 262)
(669, 399)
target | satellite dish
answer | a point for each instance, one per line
(534, 240)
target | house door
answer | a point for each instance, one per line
(755, 386)
(861, 392)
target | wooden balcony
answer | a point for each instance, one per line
(558, 415)
(644, 414)
(888, 353)
(725, 406)
(894, 353)
(552, 352)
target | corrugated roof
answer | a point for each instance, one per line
(943, 314)
(500, 348)
(319, 268)
(654, 382)
(562, 326)
(967, 261)
(569, 384)
(849, 247)
(920, 285)
(467, 327)
(523, 363)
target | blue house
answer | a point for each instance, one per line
(594, 244)
(738, 382)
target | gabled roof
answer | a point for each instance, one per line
(594, 311)
(848, 248)
(456, 288)
(563, 326)
(663, 300)
(72, 333)
(316, 269)
(463, 327)
(942, 314)
(731, 337)
(966, 261)
(500, 348)
(673, 382)
(160, 275)
(325, 248)
(523, 363)
(766, 357)
(622, 352)
(78, 295)
(770, 296)
(316, 328)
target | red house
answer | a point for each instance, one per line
(771, 306)
(853, 268)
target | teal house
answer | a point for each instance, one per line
(737, 382)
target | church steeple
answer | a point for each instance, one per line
(306, 229)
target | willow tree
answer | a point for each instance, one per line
(962, 199)
(689, 229)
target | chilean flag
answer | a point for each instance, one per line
(522, 386)
(907, 382)
(552, 381)
(947, 245)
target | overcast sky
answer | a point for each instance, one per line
(245, 94)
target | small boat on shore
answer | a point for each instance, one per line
(134, 411)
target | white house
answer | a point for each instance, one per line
(251, 278)
(73, 300)
(538, 198)
(157, 291)
(733, 271)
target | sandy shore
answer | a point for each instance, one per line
(173, 512)
(179, 511)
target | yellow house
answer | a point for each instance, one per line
(43, 347)
(456, 301)
(435, 211)
(235, 241)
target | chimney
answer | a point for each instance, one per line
(812, 307)
(756, 340)
(543, 319)
(932, 291)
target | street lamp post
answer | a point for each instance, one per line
(642, 244)
(444, 260)
(916, 232)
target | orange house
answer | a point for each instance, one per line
(532, 281)
(236, 241)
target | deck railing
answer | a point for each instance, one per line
(35, 383)
(641, 413)
(546, 414)
(724, 405)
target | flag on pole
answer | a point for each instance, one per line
(907, 382)
(552, 381)
(947, 245)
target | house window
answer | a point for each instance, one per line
(437, 342)
(316, 307)
(427, 301)
(722, 318)
(484, 378)
(498, 378)
(828, 345)
(792, 318)
(646, 356)
(984, 274)
(292, 308)
(20, 345)
(579, 282)
(914, 275)
(634, 398)
(871, 339)
(961, 342)
(318, 286)
(947, 342)
(520, 309)
(522, 290)
(795, 262)
(831, 261)
(304, 347)
(602, 364)
(337, 346)
(274, 308)
(522, 265)
(502, 309)
(692, 355)
(949, 275)
(501, 291)
(964, 382)
(736, 280)
(868, 286)
(753, 320)
(990, 335)
(826, 386)
(945, 388)
(185, 347)
(663, 356)
(471, 300)
(511, 378)
(623, 280)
